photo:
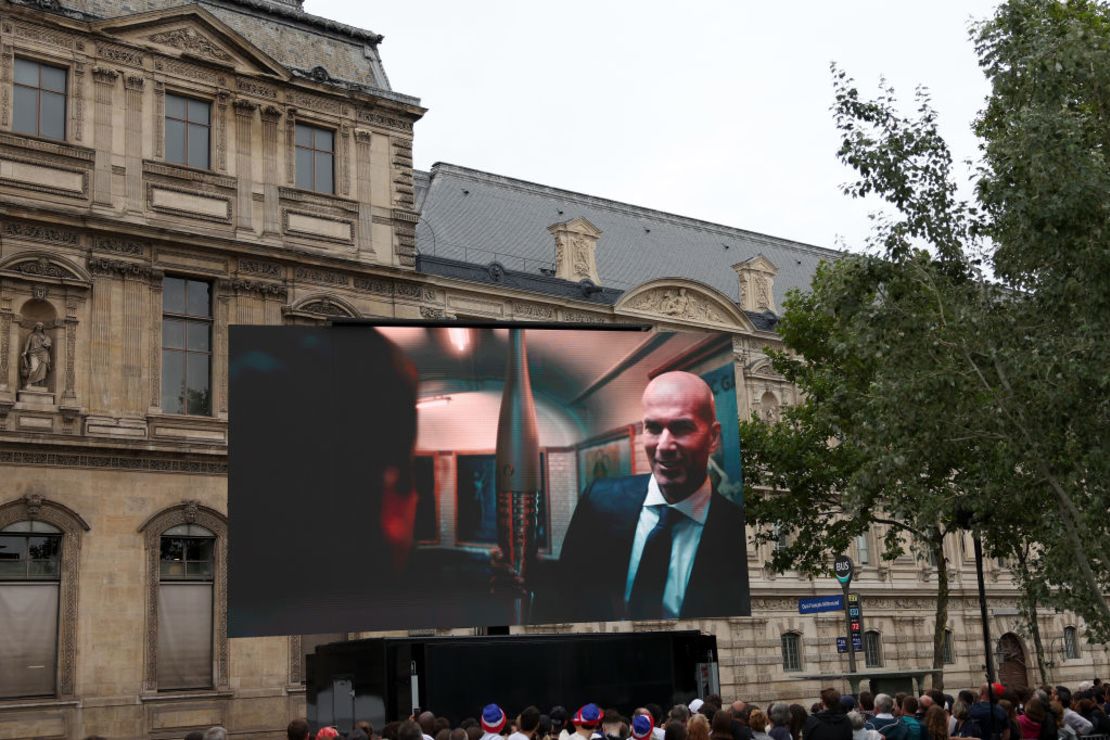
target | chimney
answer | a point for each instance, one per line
(576, 250)
(757, 284)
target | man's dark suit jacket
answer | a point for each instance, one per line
(593, 565)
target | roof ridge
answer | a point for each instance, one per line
(629, 208)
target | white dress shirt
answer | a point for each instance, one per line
(685, 536)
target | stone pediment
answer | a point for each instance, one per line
(683, 301)
(44, 267)
(191, 32)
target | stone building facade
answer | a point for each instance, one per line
(167, 171)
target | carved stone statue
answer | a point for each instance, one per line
(35, 360)
(580, 256)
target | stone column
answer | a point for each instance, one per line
(244, 168)
(270, 118)
(133, 130)
(222, 99)
(79, 99)
(219, 346)
(343, 160)
(5, 350)
(105, 80)
(7, 60)
(69, 395)
(159, 118)
(154, 342)
(365, 243)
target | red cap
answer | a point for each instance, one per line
(997, 688)
(327, 733)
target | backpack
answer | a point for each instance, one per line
(896, 730)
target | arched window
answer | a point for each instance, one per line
(791, 652)
(40, 548)
(949, 648)
(872, 649)
(186, 641)
(1071, 643)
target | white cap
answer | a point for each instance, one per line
(1084, 685)
(695, 705)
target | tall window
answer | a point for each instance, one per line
(949, 648)
(863, 549)
(186, 347)
(188, 129)
(791, 652)
(39, 104)
(185, 579)
(872, 649)
(1071, 643)
(30, 560)
(315, 159)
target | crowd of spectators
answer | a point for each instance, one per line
(992, 713)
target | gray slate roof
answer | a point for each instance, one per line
(476, 217)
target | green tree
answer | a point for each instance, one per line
(930, 389)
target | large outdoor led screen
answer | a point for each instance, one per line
(402, 477)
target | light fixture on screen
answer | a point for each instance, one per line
(459, 338)
(432, 402)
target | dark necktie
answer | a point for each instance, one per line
(651, 576)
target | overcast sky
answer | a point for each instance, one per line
(713, 110)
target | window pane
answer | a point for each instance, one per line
(172, 569)
(173, 382)
(202, 569)
(304, 169)
(198, 302)
(185, 636)
(43, 548)
(26, 73)
(13, 569)
(26, 109)
(198, 146)
(173, 548)
(325, 140)
(173, 333)
(323, 173)
(53, 79)
(12, 548)
(53, 121)
(198, 335)
(304, 136)
(175, 106)
(198, 549)
(198, 399)
(28, 648)
(175, 141)
(198, 111)
(173, 295)
(43, 569)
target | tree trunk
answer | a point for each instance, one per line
(1028, 603)
(937, 546)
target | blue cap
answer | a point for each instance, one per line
(587, 716)
(641, 726)
(493, 719)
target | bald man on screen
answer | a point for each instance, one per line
(664, 545)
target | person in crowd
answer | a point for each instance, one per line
(847, 703)
(559, 727)
(923, 703)
(721, 726)
(642, 726)
(493, 721)
(427, 722)
(697, 728)
(859, 727)
(963, 725)
(587, 720)
(612, 725)
(679, 713)
(884, 722)
(474, 732)
(527, 724)
(757, 722)
(866, 705)
(779, 713)
(215, 733)
(1064, 731)
(1071, 718)
(675, 730)
(330, 733)
(358, 734)
(389, 731)
(410, 730)
(987, 716)
(366, 727)
(195, 735)
(739, 711)
(936, 723)
(443, 734)
(1013, 732)
(914, 729)
(828, 723)
(1031, 720)
(1092, 712)
(798, 719)
(898, 699)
